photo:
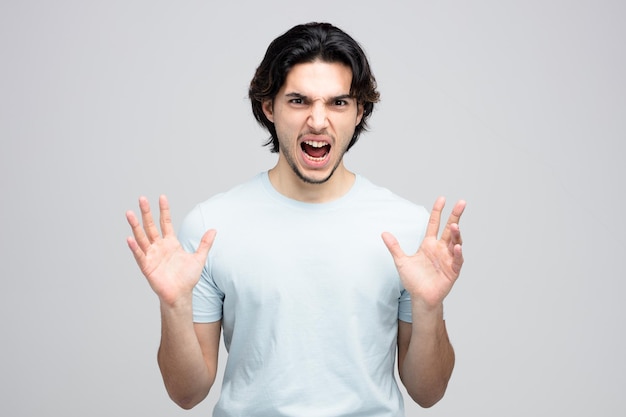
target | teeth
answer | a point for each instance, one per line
(320, 159)
(315, 144)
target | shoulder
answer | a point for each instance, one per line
(229, 200)
(384, 199)
(221, 207)
(384, 210)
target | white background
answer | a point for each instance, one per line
(519, 107)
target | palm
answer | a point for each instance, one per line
(170, 270)
(430, 273)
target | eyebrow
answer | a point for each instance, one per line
(305, 98)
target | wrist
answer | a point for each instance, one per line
(423, 309)
(181, 304)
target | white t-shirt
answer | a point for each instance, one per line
(309, 298)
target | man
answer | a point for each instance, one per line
(312, 302)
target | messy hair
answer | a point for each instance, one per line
(308, 43)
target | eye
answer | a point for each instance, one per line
(341, 103)
(296, 101)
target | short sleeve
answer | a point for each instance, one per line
(208, 299)
(404, 307)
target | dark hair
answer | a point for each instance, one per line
(308, 43)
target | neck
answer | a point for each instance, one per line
(289, 184)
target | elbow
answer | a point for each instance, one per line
(427, 395)
(428, 399)
(185, 402)
(428, 402)
(186, 397)
(187, 391)
(186, 405)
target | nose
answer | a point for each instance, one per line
(318, 119)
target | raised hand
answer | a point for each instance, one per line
(429, 274)
(171, 271)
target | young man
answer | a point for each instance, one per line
(306, 277)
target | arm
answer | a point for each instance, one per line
(187, 356)
(425, 355)
(425, 358)
(188, 352)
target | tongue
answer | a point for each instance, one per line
(315, 152)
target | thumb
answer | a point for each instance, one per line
(205, 244)
(392, 244)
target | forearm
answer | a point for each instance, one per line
(429, 359)
(185, 372)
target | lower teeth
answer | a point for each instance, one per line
(315, 159)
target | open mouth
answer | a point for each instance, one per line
(315, 150)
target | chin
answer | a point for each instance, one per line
(310, 180)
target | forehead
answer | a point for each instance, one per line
(318, 79)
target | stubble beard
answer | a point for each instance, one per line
(307, 180)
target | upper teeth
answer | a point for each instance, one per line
(315, 143)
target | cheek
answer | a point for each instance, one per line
(286, 134)
(289, 124)
(349, 124)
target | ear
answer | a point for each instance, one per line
(268, 109)
(359, 115)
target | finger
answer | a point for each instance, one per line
(136, 250)
(457, 259)
(205, 244)
(138, 232)
(435, 218)
(148, 222)
(393, 246)
(455, 236)
(454, 218)
(165, 217)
